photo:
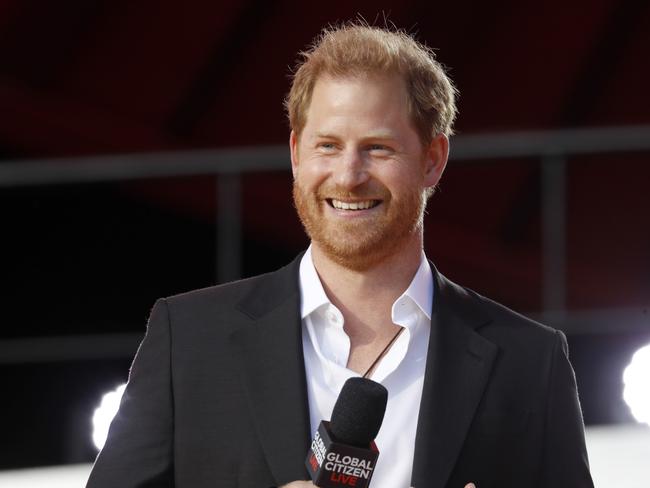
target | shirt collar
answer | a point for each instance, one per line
(420, 290)
(311, 289)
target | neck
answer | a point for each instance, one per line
(365, 297)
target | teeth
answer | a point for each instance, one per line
(352, 205)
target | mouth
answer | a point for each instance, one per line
(358, 205)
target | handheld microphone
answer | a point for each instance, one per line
(343, 452)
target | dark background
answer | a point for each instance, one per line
(81, 78)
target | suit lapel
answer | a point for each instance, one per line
(459, 363)
(273, 371)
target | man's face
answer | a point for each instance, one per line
(360, 170)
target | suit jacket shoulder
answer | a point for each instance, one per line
(252, 296)
(499, 404)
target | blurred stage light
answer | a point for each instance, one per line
(104, 414)
(637, 385)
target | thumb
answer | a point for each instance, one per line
(470, 485)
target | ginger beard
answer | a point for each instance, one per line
(359, 244)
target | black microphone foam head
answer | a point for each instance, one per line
(358, 412)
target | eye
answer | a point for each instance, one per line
(326, 146)
(380, 149)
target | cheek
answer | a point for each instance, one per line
(399, 180)
(311, 175)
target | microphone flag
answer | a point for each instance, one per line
(332, 464)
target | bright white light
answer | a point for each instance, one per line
(636, 378)
(104, 414)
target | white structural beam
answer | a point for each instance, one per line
(533, 144)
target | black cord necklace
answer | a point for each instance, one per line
(383, 353)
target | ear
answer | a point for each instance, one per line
(293, 146)
(436, 160)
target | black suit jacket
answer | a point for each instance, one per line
(217, 396)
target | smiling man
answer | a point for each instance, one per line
(231, 381)
(361, 172)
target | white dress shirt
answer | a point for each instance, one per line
(326, 349)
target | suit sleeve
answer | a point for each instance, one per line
(565, 454)
(139, 449)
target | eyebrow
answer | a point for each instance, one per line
(383, 136)
(324, 135)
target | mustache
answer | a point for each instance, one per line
(365, 192)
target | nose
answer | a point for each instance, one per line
(350, 170)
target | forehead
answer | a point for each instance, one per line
(345, 89)
(366, 100)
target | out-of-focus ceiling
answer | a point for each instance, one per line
(118, 76)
